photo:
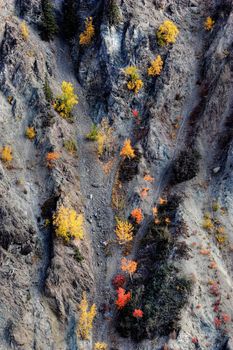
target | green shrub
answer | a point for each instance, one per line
(78, 256)
(47, 91)
(93, 134)
(49, 26)
(70, 146)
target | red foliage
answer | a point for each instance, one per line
(226, 318)
(123, 298)
(217, 322)
(195, 340)
(135, 113)
(214, 289)
(118, 281)
(138, 313)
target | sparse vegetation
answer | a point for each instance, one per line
(137, 215)
(86, 318)
(6, 154)
(209, 23)
(24, 31)
(167, 33)
(78, 256)
(49, 26)
(186, 166)
(87, 36)
(134, 84)
(68, 224)
(156, 67)
(101, 346)
(66, 101)
(30, 133)
(93, 134)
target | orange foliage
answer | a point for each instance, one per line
(204, 252)
(137, 215)
(148, 178)
(162, 201)
(129, 266)
(127, 150)
(51, 157)
(138, 313)
(155, 211)
(123, 298)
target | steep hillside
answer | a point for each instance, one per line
(163, 203)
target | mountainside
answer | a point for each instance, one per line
(121, 179)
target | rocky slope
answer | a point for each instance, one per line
(184, 279)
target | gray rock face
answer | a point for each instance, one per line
(188, 106)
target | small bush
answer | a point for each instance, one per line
(6, 154)
(137, 215)
(156, 67)
(70, 146)
(66, 101)
(93, 134)
(30, 133)
(186, 166)
(127, 150)
(51, 158)
(209, 24)
(87, 36)
(101, 346)
(78, 256)
(48, 91)
(134, 84)
(167, 33)
(68, 224)
(113, 13)
(24, 31)
(207, 224)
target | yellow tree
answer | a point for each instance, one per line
(156, 67)
(6, 154)
(30, 133)
(86, 318)
(101, 346)
(86, 37)
(167, 33)
(127, 150)
(124, 231)
(68, 223)
(129, 266)
(135, 83)
(24, 30)
(66, 101)
(209, 23)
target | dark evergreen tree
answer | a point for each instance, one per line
(49, 26)
(70, 20)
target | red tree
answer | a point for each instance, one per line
(123, 298)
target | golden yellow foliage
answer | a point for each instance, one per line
(156, 67)
(86, 318)
(24, 30)
(209, 23)
(129, 266)
(86, 37)
(167, 33)
(127, 150)
(135, 83)
(66, 101)
(207, 224)
(68, 224)
(6, 154)
(124, 231)
(30, 133)
(101, 346)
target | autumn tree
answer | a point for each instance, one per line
(129, 266)
(68, 224)
(6, 154)
(124, 231)
(167, 33)
(51, 158)
(122, 298)
(134, 84)
(127, 150)
(70, 19)
(138, 313)
(101, 346)
(86, 37)
(209, 23)
(156, 67)
(66, 101)
(30, 133)
(137, 215)
(49, 26)
(118, 281)
(24, 31)
(86, 318)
